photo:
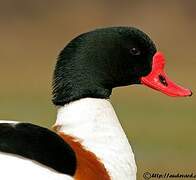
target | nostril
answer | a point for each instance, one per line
(163, 80)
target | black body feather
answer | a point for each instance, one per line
(39, 144)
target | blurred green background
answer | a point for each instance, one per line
(161, 129)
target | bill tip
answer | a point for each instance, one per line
(191, 93)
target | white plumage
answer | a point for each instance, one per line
(95, 123)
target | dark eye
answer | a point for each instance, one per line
(135, 52)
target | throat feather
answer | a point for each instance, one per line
(94, 122)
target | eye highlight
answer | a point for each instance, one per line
(134, 51)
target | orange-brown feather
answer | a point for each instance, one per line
(89, 167)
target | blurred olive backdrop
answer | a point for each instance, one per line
(162, 130)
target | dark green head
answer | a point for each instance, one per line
(97, 61)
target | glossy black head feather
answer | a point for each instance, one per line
(97, 61)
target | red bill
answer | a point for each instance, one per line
(158, 80)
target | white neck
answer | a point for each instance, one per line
(94, 121)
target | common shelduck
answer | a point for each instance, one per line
(89, 143)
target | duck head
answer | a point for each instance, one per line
(94, 63)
